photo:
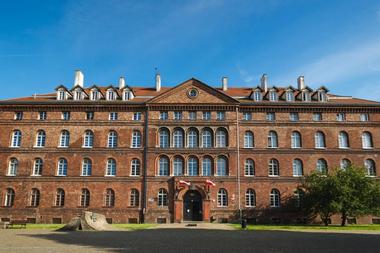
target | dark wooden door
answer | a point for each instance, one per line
(192, 206)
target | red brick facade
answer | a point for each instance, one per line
(146, 204)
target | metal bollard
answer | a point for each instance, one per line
(243, 223)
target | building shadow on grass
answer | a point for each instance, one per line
(196, 240)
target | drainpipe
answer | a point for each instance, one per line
(145, 183)
(238, 161)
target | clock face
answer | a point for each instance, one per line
(192, 93)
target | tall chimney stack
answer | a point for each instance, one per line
(121, 83)
(224, 83)
(301, 82)
(158, 82)
(264, 82)
(78, 78)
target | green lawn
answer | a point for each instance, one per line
(311, 227)
(44, 226)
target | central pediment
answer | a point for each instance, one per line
(193, 91)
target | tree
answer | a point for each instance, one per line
(356, 193)
(348, 192)
(319, 196)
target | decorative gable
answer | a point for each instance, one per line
(193, 91)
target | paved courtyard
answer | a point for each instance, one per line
(185, 240)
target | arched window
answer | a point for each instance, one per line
(367, 140)
(164, 138)
(62, 167)
(319, 140)
(249, 167)
(297, 168)
(60, 197)
(370, 165)
(178, 166)
(221, 138)
(163, 166)
(85, 198)
(296, 141)
(178, 138)
(221, 166)
(192, 166)
(250, 198)
(35, 197)
(41, 139)
(272, 139)
(135, 167)
(222, 198)
(343, 140)
(109, 198)
(162, 198)
(345, 163)
(248, 139)
(86, 167)
(206, 166)
(135, 198)
(88, 141)
(136, 139)
(16, 139)
(111, 167)
(192, 138)
(37, 167)
(274, 168)
(207, 137)
(275, 198)
(64, 140)
(12, 167)
(9, 197)
(112, 139)
(322, 166)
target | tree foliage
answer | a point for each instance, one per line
(347, 192)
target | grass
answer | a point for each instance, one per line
(311, 227)
(134, 226)
(44, 226)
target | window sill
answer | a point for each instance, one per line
(35, 175)
(61, 175)
(249, 175)
(322, 148)
(38, 146)
(86, 147)
(273, 175)
(297, 175)
(110, 175)
(11, 175)
(63, 147)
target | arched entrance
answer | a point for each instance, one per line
(192, 206)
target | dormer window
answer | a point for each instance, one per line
(111, 95)
(272, 96)
(61, 95)
(322, 96)
(289, 96)
(257, 96)
(127, 95)
(95, 95)
(305, 96)
(78, 95)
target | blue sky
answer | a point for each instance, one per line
(333, 43)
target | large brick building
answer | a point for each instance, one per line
(190, 152)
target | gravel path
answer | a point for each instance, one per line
(185, 240)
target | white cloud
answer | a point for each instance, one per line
(246, 76)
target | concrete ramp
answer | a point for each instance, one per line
(88, 221)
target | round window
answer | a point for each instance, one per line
(193, 93)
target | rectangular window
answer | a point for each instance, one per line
(18, 115)
(271, 116)
(206, 115)
(247, 116)
(177, 115)
(42, 115)
(317, 116)
(220, 115)
(90, 115)
(294, 116)
(164, 116)
(192, 115)
(113, 116)
(65, 115)
(364, 117)
(341, 116)
(137, 116)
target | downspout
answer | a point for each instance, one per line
(238, 161)
(145, 183)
